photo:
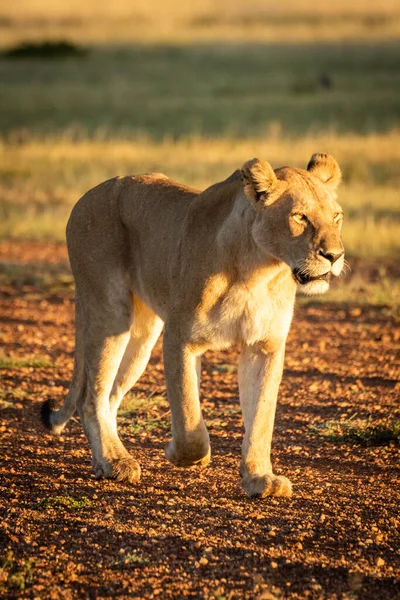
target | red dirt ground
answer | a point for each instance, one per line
(186, 533)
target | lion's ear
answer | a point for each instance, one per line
(325, 167)
(260, 183)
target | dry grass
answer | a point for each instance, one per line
(42, 179)
(199, 20)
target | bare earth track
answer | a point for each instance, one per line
(185, 533)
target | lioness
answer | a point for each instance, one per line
(215, 268)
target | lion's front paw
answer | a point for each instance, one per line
(120, 469)
(189, 455)
(266, 485)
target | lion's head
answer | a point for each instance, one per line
(298, 219)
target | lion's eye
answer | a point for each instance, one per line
(337, 217)
(299, 218)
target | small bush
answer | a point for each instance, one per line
(45, 50)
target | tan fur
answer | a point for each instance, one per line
(217, 268)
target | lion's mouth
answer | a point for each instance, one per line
(303, 279)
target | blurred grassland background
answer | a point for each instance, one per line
(195, 89)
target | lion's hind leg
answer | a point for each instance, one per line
(107, 334)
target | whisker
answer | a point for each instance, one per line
(346, 266)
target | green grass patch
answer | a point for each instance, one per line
(132, 559)
(46, 277)
(205, 89)
(133, 404)
(13, 394)
(8, 362)
(64, 503)
(359, 431)
(135, 558)
(149, 425)
(15, 575)
(144, 411)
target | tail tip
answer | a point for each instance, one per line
(46, 410)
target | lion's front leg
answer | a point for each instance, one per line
(190, 443)
(260, 373)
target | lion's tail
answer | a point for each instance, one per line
(55, 420)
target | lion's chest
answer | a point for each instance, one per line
(242, 313)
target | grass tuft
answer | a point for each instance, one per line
(132, 559)
(148, 425)
(135, 558)
(7, 362)
(133, 404)
(64, 502)
(15, 575)
(359, 431)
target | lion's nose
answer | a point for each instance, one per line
(331, 256)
